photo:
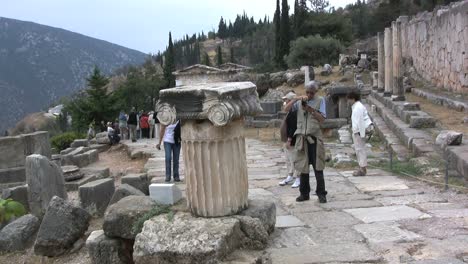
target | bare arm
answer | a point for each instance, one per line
(290, 105)
(161, 133)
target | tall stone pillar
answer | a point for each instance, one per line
(398, 89)
(213, 143)
(388, 47)
(381, 62)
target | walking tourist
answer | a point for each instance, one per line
(132, 124)
(288, 127)
(144, 125)
(151, 122)
(362, 128)
(172, 145)
(308, 141)
(123, 125)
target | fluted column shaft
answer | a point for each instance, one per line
(388, 46)
(381, 62)
(398, 89)
(215, 168)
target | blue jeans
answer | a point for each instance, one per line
(172, 151)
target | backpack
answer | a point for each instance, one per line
(144, 122)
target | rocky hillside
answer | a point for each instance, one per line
(40, 64)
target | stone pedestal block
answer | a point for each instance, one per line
(138, 181)
(105, 250)
(95, 196)
(45, 180)
(215, 168)
(167, 194)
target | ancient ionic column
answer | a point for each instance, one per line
(381, 62)
(213, 143)
(398, 89)
(388, 62)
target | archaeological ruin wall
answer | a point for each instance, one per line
(437, 43)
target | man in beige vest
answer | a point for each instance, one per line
(308, 141)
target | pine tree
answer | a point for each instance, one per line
(285, 33)
(169, 65)
(99, 107)
(219, 56)
(277, 23)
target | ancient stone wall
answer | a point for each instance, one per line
(194, 79)
(437, 43)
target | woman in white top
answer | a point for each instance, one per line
(172, 147)
(362, 125)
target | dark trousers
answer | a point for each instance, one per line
(304, 188)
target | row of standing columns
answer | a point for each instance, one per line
(390, 61)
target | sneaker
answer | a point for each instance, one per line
(286, 181)
(296, 183)
(302, 198)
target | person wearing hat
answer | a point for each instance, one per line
(288, 127)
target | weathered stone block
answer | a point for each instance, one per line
(62, 226)
(102, 138)
(449, 138)
(264, 210)
(74, 185)
(422, 122)
(12, 149)
(18, 194)
(93, 156)
(99, 172)
(271, 107)
(105, 250)
(122, 216)
(12, 175)
(139, 181)
(79, 143)
(168, 194)
(45, 180)
(123, 191)
(199, 240)
(71, 173)
(18, 235)
(37, 143)
(95, 196)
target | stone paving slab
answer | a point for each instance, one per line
(439, 206)
(387, 213)
(396, 193)
(438, 228)
(292, 237)
(439, 261)
(451, 213)
(411, 199)
(337, 205)
(351, 253)
(328, 219)
(285, 221)
(381, 183)
(385, 232)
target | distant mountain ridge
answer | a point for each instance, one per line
(40, 64)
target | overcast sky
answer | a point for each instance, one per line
(138, 24)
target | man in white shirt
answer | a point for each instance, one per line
(362, 125)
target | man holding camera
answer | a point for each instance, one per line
(308, 140)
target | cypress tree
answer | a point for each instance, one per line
(219, 56)
(222, 29)
(277, 23)
(232, 55)
(296, 19)
(285, 33)
(206, 59)
(169, 65)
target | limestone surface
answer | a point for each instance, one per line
(18, 235)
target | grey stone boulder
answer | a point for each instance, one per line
(256, 236)
(72, 173)
(45, 180)
(139, 181)
(186, 239)
(295, 78)
(99, 172)
(277, 79)
(102, 138)
(18, 194)
(93, 156)
(122, 216)
(264, 210)
(18, 235)
(105, 250)
(123, 191)
(422, 122)
(62, 225)
(96, 195)
(326, 70)
(449, 138)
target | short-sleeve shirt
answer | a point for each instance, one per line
(312, 103)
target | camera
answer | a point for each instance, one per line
(304, 103)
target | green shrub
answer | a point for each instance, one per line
(63, 141)
(314, 51)
(10, 209)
